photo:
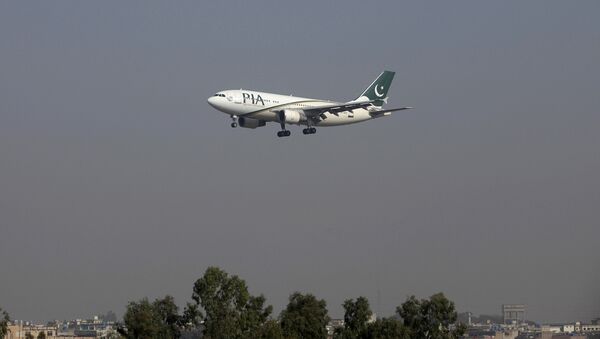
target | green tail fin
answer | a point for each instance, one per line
(378, 89)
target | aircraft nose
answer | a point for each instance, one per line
(212, 101)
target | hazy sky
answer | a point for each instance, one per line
(119, 181)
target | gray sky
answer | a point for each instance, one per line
(118, 181)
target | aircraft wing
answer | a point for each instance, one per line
(336, 108)
(317, 113)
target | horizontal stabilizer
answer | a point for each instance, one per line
(383, 111)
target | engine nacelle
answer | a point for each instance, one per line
(290, 117)
(251, 123)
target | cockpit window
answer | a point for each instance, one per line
(219, 95)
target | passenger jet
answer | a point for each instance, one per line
(252, 109)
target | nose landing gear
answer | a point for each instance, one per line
(234, 123)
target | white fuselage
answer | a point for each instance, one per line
(263, 106)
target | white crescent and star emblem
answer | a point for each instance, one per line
(377, 93)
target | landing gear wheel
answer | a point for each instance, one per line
(312, 130)
(305, 131)
(234, 119)
(284, 133)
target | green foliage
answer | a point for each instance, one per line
(4, 319)
(304, 317)
(191, 318)
(356, 323)
(231, 312)
(386, 328)
(356, 315)
(433, 318)
(343, 333)
(159, 319)
(168, 314)
(270, 330)
(141, 320)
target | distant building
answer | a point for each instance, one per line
(513, 313)
(568, 328)
(77, 329)
(590, 328)
(21, 330)
(491, 334)
(552, 328)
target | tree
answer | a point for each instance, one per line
(433, 318)
(304, 317)
(231, 312)
(41, 335)
(141, 320)
(270, 330)
(191, 318)
(4, 319)
(356, 323)
(159, 319)
(386, 328)
(167, 312)
(356, 315)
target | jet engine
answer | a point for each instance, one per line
(251, 123)
(290, 117)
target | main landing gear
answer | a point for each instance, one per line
(287, 133)
(234, 123)
(284, 132)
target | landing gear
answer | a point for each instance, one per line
(234, 123)
(284, 132)
(310, 130)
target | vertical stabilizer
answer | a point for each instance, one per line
(378, 89)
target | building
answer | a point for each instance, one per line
(18, 330)
(568, 328)
(513, 313)
(590, 328)
(552, 328)
(78, 329)
(492, 334)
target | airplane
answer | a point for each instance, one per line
(252, 109)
